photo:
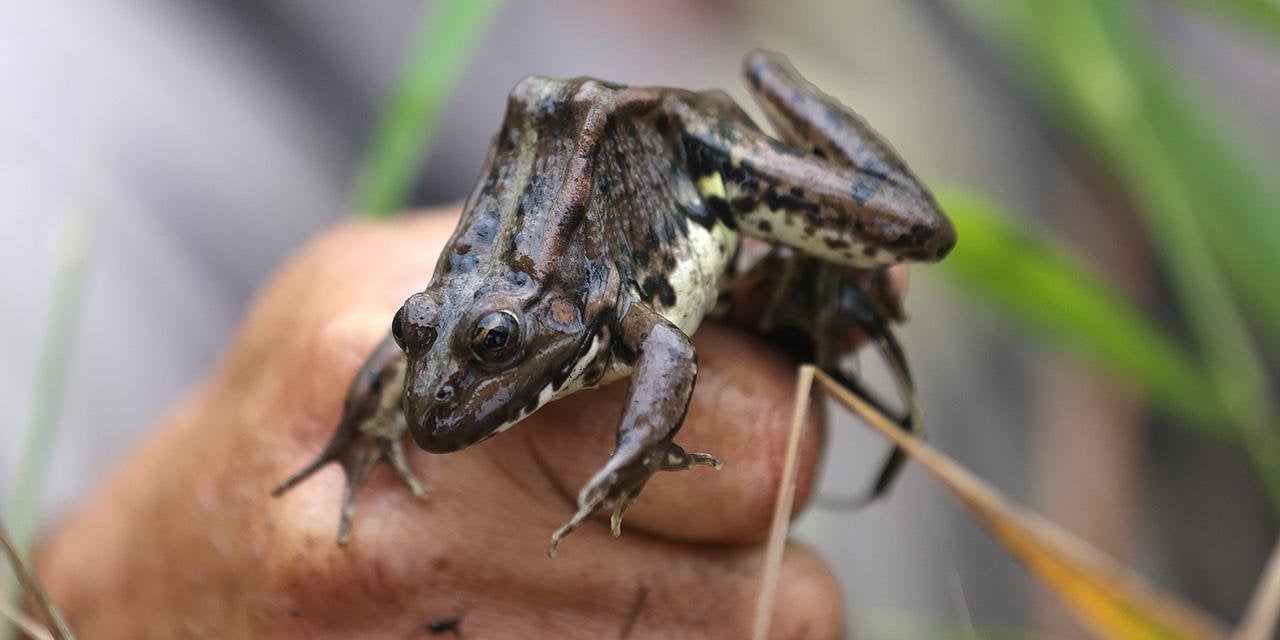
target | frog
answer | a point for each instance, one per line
(605, 226)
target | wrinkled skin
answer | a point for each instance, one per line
(182, 539)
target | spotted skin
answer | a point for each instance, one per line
(604, 227)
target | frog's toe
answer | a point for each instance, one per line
(691, 460)
(358, 454)
(393, 453)
(617, 487)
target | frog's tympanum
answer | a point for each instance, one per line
(604, 227)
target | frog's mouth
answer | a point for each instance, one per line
(437, 429)
(458, 414)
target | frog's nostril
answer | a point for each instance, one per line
(444, 393)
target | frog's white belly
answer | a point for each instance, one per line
(699, 274)
(697, 280)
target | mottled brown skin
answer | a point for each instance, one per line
(603, 229)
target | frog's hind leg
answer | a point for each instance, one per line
(370, 431)
(822, 313)
(662, 376)
(802, 115)
(829, 186)
(855, 301)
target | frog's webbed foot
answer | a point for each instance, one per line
(615, 490)
(661, 385)
(371, 431)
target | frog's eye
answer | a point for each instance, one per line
(411, 335)
(496, 337)
(397, 328)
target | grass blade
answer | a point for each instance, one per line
(1263, 612)
(411, 114)
(1204, 199)
(1047, 289)
(57, 626)
(782, 507)
(1105, 596)
(70, 277)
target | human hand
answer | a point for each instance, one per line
(183, 540)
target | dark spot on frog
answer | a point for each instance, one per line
(623, 353)
(743, 204)
(663, 124)
(764, 226)
(836, 243)
(523, 263)
(917, 237)
(573, 217)
(700, 159)
(789, 201)
(668, 261)
(869, 251)
(783, 149)
(462, 248)
(721, 209)
(944, 248)
(650, 239)
(658, 287)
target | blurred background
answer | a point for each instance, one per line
(1102, 345)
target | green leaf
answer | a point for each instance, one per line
(411, 114)
(1212, 213)
(1041, 285)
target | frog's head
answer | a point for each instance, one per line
(480, 362)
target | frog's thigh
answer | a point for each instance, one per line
(836, 213)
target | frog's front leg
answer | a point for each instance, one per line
(662, 378)
(370, 431)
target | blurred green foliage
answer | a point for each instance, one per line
(446, 38)
(71, 273)
(1207, 202)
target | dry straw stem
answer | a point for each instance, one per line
(782, 508)
(1107, 597)
(58, 629)
(1259, 622)
(23, 622)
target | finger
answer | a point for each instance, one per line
(329, 309)
(493, 584)
(741, 412)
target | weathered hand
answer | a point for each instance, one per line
(184, 541)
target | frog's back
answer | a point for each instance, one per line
(586, 173)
